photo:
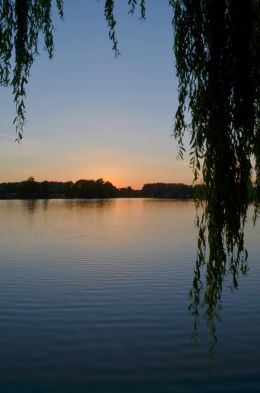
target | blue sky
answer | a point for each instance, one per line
(91, 115)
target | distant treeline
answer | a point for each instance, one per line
(54, 189)
(168, 190)
(31, 189)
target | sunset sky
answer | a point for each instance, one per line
(91, 115)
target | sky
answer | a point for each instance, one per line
(90, 115)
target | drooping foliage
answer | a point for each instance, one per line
(21, 22)
(217, 51)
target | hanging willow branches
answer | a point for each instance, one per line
(21, 22)
(217, 50)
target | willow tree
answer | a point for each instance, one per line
(217, 50)
(217, 53)
(21, 22)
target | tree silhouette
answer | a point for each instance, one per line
(21, 22)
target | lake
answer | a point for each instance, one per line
(94, 297)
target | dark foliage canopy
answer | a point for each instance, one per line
(217, 52)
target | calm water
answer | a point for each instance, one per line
(94, 298)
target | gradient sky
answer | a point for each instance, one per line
(91, 115)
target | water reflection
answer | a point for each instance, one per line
(98, 289)
(132, 226)
(88, 203)
(31, 205)
(135, 257)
